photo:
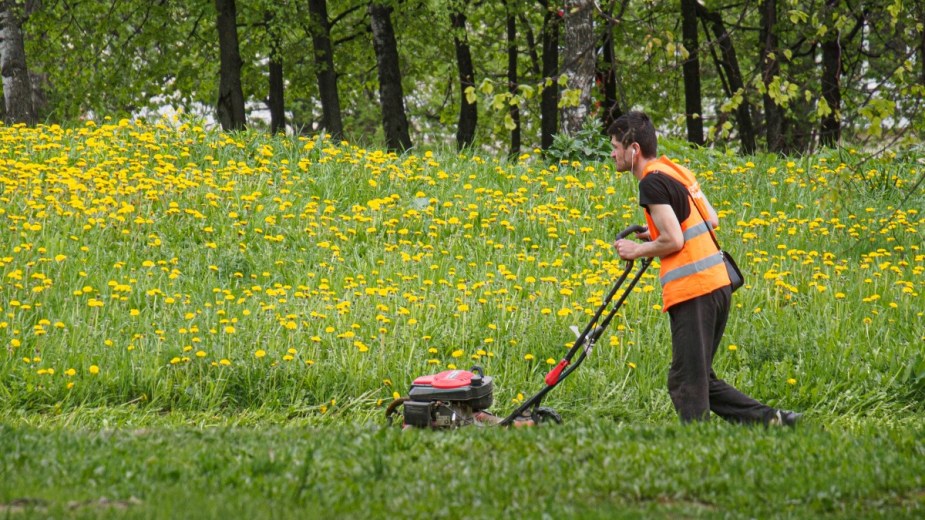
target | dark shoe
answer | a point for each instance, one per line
(784, 418)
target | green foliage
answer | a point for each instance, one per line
(588, 144)
(119, 58)
(130, 57)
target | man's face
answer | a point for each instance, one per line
(622, 156)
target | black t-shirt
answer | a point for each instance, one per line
(659, 188)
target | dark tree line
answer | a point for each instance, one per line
(762, 74)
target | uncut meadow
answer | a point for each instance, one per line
(171, 268)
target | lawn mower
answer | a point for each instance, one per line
(456, 398)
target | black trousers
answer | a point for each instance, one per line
(697, 327)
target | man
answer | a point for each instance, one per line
(696, 289)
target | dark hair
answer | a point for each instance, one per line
(635, 127)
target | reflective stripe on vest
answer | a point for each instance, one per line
(692, 268)
(695, 231)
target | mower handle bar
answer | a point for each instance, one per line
(592, 331)
(635, 228)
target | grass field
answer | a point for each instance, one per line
(200, 324)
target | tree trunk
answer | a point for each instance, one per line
(549, 102)
(512, 80)
(230, 105)
(531, 44)
(17, 86)
(920, 9)
(391, 97)
(693, 107)
(608, 74)
(830, 130)
(578, 61)
(770, 69)
(468, 112)
(730, 65)
(276, 100)
(324, 66)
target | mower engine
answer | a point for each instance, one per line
(450, 399)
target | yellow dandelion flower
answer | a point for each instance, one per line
(260, 353)
(94, 370)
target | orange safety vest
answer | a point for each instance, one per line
(698, 268)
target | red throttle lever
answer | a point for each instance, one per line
(553, 376)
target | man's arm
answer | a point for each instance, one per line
(670, 238)
(712, 217)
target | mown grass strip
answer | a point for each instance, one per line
(582, 469)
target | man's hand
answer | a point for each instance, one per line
(670, 238)
(627, 249)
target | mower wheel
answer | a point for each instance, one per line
(544, 414)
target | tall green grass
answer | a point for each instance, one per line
(200, 271)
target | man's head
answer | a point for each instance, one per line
(633, 138)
